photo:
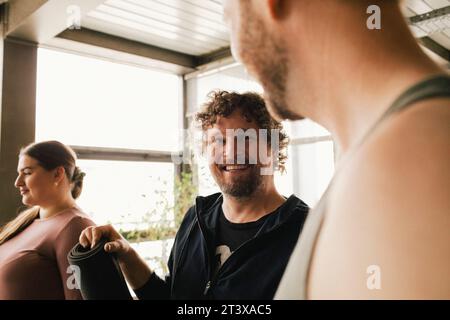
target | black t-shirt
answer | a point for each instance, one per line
(231, 236)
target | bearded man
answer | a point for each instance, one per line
(234, 244)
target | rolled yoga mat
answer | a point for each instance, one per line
(100, 277)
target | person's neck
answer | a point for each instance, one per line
(357, 108)
(55, 207)
(252, 208)
(356, 77)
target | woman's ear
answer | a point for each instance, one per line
(60, 172)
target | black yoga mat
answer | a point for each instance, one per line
(100, 276)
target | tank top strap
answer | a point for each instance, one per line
(433, 87)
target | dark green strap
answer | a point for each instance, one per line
(434, 87)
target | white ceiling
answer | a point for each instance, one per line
(190, 26)
(195, 27)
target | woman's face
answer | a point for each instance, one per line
(37, 186)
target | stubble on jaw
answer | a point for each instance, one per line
(241, 187)
(266, 58)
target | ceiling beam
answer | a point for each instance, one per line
(437, 13)
(118, 154)
(220, 54)
(435, 47)
(99, 39)
(17, 11)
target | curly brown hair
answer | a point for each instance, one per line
(223, 103)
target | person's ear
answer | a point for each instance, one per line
(59, 174)
(278, 9)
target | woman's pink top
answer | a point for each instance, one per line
(33, 264)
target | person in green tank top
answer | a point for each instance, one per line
(382, 229)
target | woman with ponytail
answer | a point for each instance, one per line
(34, 246)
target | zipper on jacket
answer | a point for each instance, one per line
(208, 255)
(208, 286)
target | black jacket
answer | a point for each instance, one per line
(253, 271)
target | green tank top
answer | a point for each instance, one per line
(294, 282)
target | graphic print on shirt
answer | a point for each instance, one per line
(223, 252)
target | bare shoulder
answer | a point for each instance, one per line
(412, 147)
(386, 234)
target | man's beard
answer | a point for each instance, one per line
(266, 59)
(244, 186)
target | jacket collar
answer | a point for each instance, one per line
(292, 208)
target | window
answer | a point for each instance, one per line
(312, 157)
(127, 194)
(314, 167)
(97, 105)
(90, 102)
(230, 78)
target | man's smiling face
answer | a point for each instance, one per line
(235, 177)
